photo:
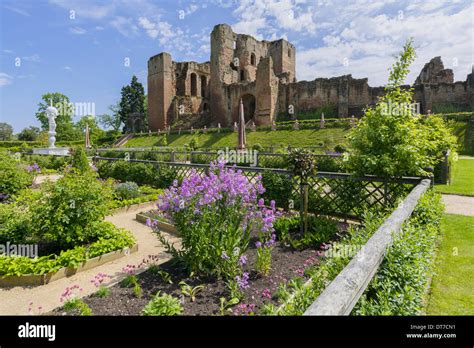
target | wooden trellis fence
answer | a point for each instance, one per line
(337, 194)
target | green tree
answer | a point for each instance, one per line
(390, 140)
(64, 126)
(29, 134)
(94, 130)
(111, 120)
(132, 107)
(6, 131)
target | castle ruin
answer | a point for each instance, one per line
(262, 74)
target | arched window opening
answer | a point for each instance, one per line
(193, 84)
(252, 59)
(242, 75)
(203, 86)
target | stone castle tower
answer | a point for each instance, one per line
(262, 74)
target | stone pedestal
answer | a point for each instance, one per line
(57, 151)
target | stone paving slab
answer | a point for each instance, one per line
(15, 301)
(461, 205)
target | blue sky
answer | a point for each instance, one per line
(79, 47)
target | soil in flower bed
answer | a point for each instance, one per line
(286, 264)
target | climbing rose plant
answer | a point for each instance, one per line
(214, 214)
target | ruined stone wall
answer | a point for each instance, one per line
(235, 59)
(262, 73)
(160, 91)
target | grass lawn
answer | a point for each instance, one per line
(463, 178)
(304, 137)
(453, 283)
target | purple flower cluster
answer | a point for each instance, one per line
(243, 282)
(244, 309)
(99, 279)
(242, 260)
(221, 184)
(68, 293)
(33, 168)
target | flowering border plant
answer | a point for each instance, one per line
(215, 213)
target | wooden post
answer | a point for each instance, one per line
(304, 208)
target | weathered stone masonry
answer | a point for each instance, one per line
(262, 74)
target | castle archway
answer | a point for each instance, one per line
(249, 106)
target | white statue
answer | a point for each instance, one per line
(52, 113)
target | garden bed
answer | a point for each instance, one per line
(288, 266)
(42, 279)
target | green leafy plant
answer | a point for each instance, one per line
(129, 281)
(390, 140)
(137, 290)
(400, 283)
(189, 290)
(13, 176)
(165, 276)
(225, 305)
(278, 187)
(163, 305)
(102, 292)
(320, 230)
(78, 304)
(127, 190)
(79, 160)
(67, 208)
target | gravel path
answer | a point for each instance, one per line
(39, 179)
(461, 205)
(15, 301)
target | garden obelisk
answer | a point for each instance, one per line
(242, 140)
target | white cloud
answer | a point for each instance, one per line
(150, 27)
(33, 58)
(124, 26)
(18, 10)
(263, 17)
(369, 40)
(67, 68)
(78, 30)
(87, 8)
(5, 79)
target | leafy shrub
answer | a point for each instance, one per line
(278, 187)
(79, 160)
(162, 305)
(46, 162)
(14, 222)
(66, 208)
(111, 239)
(387, 143)
(399, 285)
(127, 190)
(340, 148)
(330, 164)
(320, 230)
(13, 177)
(140, 173)
(258, 147)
